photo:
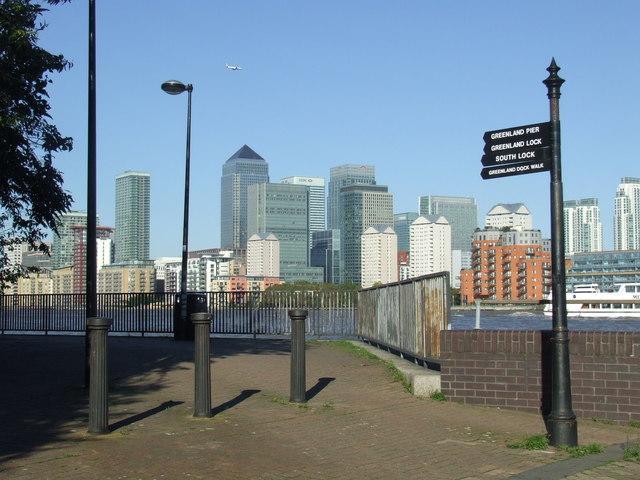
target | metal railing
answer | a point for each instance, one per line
(331, 314)
(407, 316)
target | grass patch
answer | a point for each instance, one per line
(438, 396)
(392, 370)
(328, 405)
(583, 450)
(280, 400)
(605, 421)
(534, 442)
(632, 453)
(634, 423)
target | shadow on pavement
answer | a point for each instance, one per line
(43, 398)
(318, 387)
(233, 402)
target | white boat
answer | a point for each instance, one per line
(589, 301)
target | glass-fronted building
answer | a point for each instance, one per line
(243, 168)
(133, 213)
(283, 209)
(604, 268)
(343, 176)
(325, 253)
(401, 224)
(361, 206)
(460, 212)
(62, 245)
(317, 201)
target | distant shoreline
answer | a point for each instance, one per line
(501, 307)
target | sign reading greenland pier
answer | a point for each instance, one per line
(516, 151)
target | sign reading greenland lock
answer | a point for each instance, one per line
(516, 151)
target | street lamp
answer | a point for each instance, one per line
(174, 87)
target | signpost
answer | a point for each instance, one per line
(530, 149)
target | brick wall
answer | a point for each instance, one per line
(512, 369)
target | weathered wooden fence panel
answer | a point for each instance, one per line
(407, 316)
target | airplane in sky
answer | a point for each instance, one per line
(233, 67)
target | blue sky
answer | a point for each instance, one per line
(409, 87)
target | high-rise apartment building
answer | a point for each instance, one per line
(401, 225)
(460, 212)
(317, 202)
(325, 253)
(626, 218)
(361, 206)
(582, 227)
(379, 256)
(104, 242)
(243, 168)
(509, 215)
(283, 210)
(62, 247)
(263, 256)
(133, 216)
(344, 176)
(430, 245)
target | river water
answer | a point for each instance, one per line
(535, 320)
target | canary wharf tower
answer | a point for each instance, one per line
(244, 168)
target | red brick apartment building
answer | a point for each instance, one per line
(506, 272)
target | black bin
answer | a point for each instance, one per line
(196, 303)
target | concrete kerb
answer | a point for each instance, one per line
(423, 381)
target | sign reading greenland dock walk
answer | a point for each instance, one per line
(516, 151)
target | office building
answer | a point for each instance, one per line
(361, 206)
(283, 210)
(62, 246)
(401, 225)
(263, 255)
(460, 212)
(379, 256)
(344, 176)
(133, 214)
(509, 215)
(582, 227)
(606, 269)
(430, 245)
(325, 253)
(317, 201)
(243, 168)
(626, 218)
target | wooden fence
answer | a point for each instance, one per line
(407, 316)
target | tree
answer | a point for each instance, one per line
(31, 194)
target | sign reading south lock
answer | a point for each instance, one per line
(517, 151)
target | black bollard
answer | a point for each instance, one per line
(99, 379)
(298, 370)
(202, 396)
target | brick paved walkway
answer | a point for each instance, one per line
(358, 424)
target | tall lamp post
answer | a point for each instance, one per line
(174, 87)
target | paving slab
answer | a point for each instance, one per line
(358, 422)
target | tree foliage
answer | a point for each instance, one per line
(31, 193)
(302, 286)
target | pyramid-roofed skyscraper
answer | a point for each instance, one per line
(243, 168)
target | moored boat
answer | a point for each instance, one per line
(589, 301)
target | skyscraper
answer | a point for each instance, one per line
(282, 209)
(401, 224)
(343, 176)
(582, 227)
(460, 212)
(325, 253)
(317, 201)
(361, 206)
(243, 168)
(62, 247)
(133, 198)
(626, 219)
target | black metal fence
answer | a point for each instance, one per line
(331, 314)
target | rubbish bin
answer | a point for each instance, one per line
(196, 303)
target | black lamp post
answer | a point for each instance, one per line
(174, 87)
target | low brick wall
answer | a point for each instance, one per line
(512, 369)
